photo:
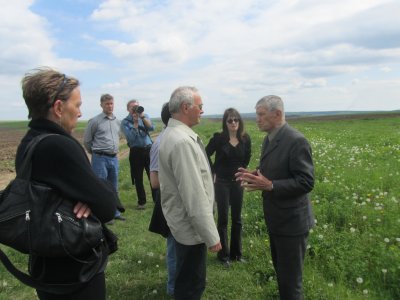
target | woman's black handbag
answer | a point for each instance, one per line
(36, 220)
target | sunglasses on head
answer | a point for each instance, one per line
(230, 121)
(59, 90)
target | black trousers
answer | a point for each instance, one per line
(94, 290)
(229, 193)
(288, 254)
(139, 160)
(190, 280)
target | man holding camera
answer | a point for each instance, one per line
(136, 127)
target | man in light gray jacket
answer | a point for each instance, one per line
(187, 193)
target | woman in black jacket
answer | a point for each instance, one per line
(54, 101)
(232, 149)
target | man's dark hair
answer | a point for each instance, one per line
(106, 97)
(165, 114)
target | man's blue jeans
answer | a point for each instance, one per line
(171, 264)
(106, 167)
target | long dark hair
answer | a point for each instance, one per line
(233, 113)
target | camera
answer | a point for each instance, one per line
(138, 109)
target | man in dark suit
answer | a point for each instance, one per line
(285, 176)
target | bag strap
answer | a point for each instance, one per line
(57, 288)
(25, 169)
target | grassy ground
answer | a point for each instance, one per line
(354, 250)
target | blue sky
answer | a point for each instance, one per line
(317, 55)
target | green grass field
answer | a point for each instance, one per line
(353, 252)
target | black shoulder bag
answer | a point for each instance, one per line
(36, 220)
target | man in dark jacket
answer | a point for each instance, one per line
(285, 176)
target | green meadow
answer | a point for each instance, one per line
(353, 251)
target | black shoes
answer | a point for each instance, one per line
(121, 218)
(241, 260)
(226, 264)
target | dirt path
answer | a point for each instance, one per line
(7, 176)
(9, 147)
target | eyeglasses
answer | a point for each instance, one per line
(200, 106)
(59, 90)
(230, 121)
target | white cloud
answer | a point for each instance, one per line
(316, 54)
(114, 10)
(386, 69)
(169, 48)
(265, 33)
(23, 38)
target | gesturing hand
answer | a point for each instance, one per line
(254, 181)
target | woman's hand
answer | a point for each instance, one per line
(82, 210)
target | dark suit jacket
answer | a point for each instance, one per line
(287, 161)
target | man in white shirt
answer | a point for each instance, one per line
(187, 193)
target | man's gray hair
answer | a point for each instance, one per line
(271, 103)
(183, 94)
